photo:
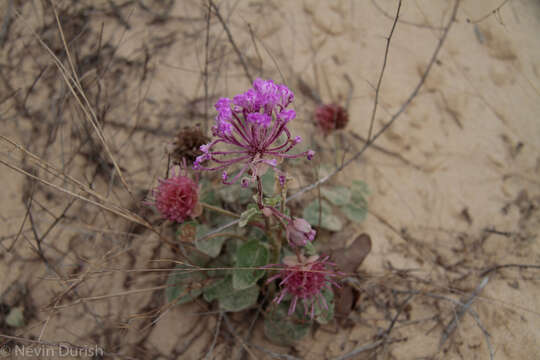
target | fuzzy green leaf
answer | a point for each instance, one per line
(323, 315)
(282, 329)
(235, 194)
(338, 195)
(15, 318)
(229, 298)
(248, 215)
(184, 284)
(208, 193)
(250, 255)
(240, 300)
(329, 221)
(354, 212)
(359, 191)
(309, 248)
(268, 180)
(211, 247)
(218, 289)
(272, 201)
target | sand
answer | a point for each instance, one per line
(454, 181)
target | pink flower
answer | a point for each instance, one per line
(305, 280)
(253, 126)
(299, 232)
(176, 198)
(331, 117)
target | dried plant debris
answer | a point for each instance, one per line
(186, 145)
(349, 260)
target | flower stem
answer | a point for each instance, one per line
(260, 192)
(218, 209)
(229, 235)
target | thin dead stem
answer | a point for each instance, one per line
(231, 40)
(379, 82)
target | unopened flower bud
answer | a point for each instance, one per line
(299, 232)
(267, 212)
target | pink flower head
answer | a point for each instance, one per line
(252, 125)
(299, 232)
(331, 117)
(176, 198)
(304, 279)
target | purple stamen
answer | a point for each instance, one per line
(252, 121)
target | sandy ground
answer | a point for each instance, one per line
(454, 181)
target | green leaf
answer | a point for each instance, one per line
(282, 329)
(272, 201)
(256, 233)
(229, 298)
(212, 246)
(359, 191)
(323, 315)
(240, 300)
(218, 289)
(310, 250)
(208, 193)
(184, 284)
(329, 221)
(248, 215)
(338, 195)
(218, 219)
(252, 254)
(235, 194)
(219, 266)
(354, 212)
(268, 180)
(15, 318)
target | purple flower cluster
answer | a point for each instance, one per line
(304, 279)
(252, 124)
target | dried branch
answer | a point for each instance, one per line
(214, 340)
(405, 22)
(498, 267)
(402, 109)
(378, 88)
(361, 349)
(205, 73)
(492, 12)
(460, 311)
(231, 40)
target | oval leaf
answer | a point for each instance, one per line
(323, 315)
(359, 190)
(356, 213)
(248, 215)
(240, 300)
(252, 254)
(329, 221)
(185, 284)
(283, 329)
(211, 247)
(338, 195)
(15, 318)
(229, 298)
